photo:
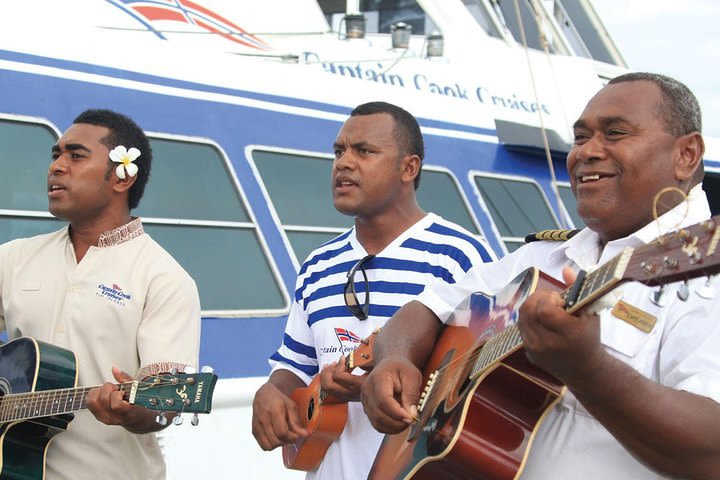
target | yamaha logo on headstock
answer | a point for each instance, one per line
(198, 392)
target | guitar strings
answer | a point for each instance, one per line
(25, 403)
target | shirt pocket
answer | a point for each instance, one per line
(621, 337)
(30, 287)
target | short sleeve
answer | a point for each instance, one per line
(170, 327)
(297, 352)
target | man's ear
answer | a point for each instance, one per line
(411, 165)
(122, 185)
(690, 151)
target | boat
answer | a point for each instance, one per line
(243, 100)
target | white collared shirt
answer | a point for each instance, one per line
(681, 351)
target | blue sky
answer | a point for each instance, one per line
(677, 38)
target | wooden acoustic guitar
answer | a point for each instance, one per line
(38, 396)
(483, 400)
(323, 415)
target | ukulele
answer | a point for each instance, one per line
(323, 415)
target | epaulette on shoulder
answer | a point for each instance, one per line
(559, 235)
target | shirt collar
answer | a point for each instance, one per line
(585, 248)
(121, 234)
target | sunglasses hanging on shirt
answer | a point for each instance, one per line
(358, 300)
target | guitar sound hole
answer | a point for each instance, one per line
(311, 408)
(4, 387)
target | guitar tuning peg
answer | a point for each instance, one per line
(161, 420)
(707, 291)
(683, 292)
(190, 370)
(177, 420)
(658, 297)
(194, 420)
(207, 369)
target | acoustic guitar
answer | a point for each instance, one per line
(38, 398)
(323, 415)
(483, 400)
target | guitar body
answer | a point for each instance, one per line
(323, 416)
(474, 424)
(324, 420)
(28, 365)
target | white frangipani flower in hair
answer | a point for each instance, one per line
(125, 158)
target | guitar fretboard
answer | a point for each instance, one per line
(595, 284)
(26, 406)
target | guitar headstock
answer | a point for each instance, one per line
(687, 253)
(175, 392)
(362, 356)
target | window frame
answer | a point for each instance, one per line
(566, 212)
(466, 202)
(336, 230)
(6, 212)
(249, 149)
(252, 224)
(472, 174)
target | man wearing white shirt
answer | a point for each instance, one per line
(642, 403)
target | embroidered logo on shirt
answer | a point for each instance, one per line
(113, 294)
(634, 316)
(344, 336)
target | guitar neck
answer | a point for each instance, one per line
(583, 292)
(362, 356)
(26, 406)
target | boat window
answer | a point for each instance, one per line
(517, 206)
(199, 177)
(535, 18)
(289, 177)
(381, 15)
(439, 193)
(556, 9)
(25, 154)
(298, 187)
(25, 157)
(485, 16)
(590, 31)
(507, 13)
(192, 207)
(711, 185)
(570, 205)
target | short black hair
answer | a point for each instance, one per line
(123, 131)
(406, 131)
(679, 111)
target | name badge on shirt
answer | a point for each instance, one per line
(634, 316)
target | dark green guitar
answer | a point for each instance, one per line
(38, 395)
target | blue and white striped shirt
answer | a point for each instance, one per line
(321, 329)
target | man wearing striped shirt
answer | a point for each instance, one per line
(395, 250)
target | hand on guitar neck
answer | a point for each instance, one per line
(568, 346)
(337, 382)
(109, 405)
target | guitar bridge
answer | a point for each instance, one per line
(417, 426)
(426, 391)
